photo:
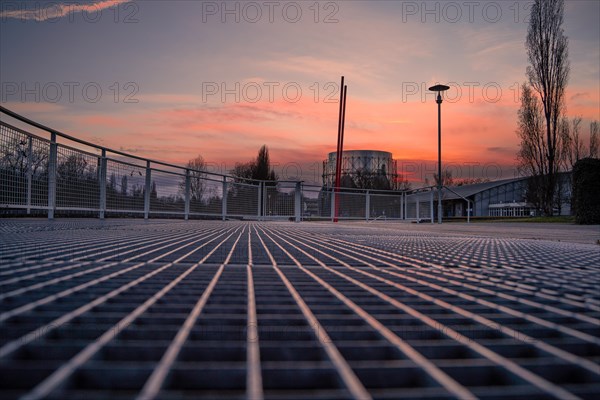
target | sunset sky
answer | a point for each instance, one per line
(220, 79)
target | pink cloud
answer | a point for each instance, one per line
(57, 10)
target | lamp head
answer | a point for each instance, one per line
(439, 88)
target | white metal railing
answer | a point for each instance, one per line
(57, 174)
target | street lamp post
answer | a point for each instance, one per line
(439, 89)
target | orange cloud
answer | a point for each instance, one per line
(473, 131)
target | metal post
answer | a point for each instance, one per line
(260, 200)
(418, 213)
(298, 202)
(439, 89)
(265, 200)
(188, 184)
(368, 206)
(102, 184)
(469, 208)
(402, 205)
(52, 176)
(333, 194)
(431, 206)
(439, 103)
(29, 171)
(224, 200)
(148, 189)
(338, 157)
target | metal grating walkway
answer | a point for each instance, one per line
(201, 309)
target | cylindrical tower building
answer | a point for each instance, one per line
(364, 169)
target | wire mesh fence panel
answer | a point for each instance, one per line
(206, 197)
(124, 187)
(167, 192)
(14, 149)
(385, 206)
(411, 209)
(77, 183)
(351, 205)
(242, 199)
(316, 202)
(279, 200)
(424, 210)
(88, 179)
(40, 149)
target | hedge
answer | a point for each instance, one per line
(586, 191)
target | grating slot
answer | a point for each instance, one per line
(480, 375)
(225, 352)
(21, 375)
(370, 352)
(379, 377)
(300, 378)
(110, 376)
(139, 352)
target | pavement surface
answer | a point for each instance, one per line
(94, 309)
(558, 232)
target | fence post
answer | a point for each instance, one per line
(260, 200)
(265, 197)
(187, 194)
(402, 205)
(52, 176)
(102, 184)
(469, 208)
(418, 212)
(431, 205)
(368, 206)
(29, 171)
(332, 204)
(147, 192)
(298, 202)
(224, 200)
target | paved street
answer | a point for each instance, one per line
(203, 309)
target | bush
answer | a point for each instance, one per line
(586, 191)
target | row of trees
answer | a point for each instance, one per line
(371, 180)
(249, 172)
(449, 180)
(78, 179)
(258, 169)
(550, 142)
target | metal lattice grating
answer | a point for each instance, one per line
(162, 309)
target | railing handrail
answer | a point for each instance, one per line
(28, 121)
(173, 194)
(182, 167)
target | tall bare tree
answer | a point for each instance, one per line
(196, 168)
(576, 149)
(573, 143)
(548, 73)
(573, 147)
(594, 140)
(447, 179)
(402, 183)
(533, 148)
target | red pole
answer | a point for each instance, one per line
(338, 154)
(337, 197)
